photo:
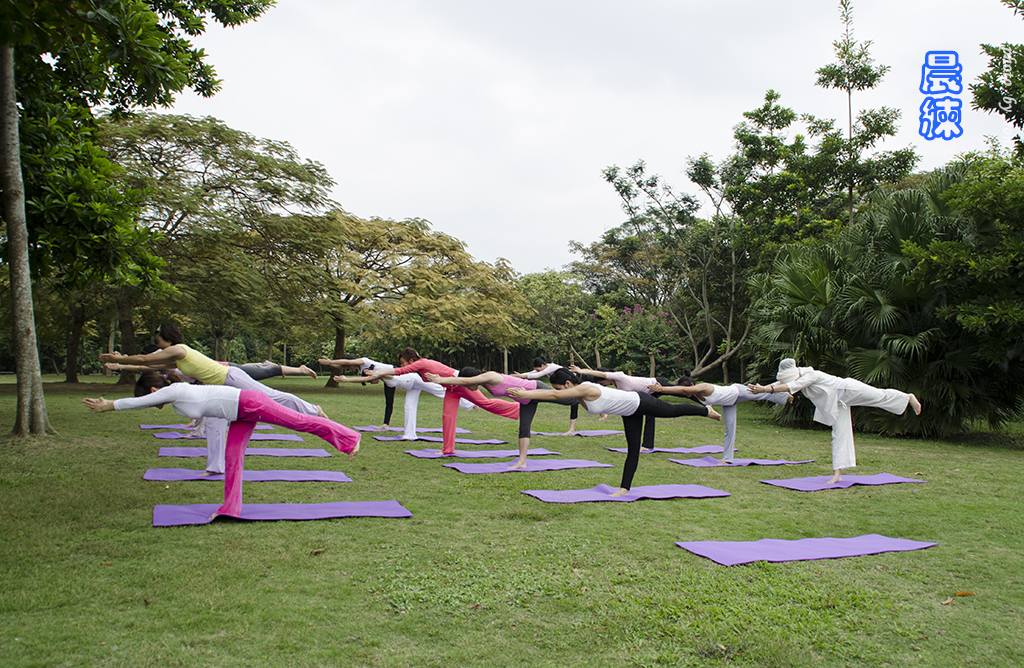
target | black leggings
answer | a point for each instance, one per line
(527, 411)
(259, 370)
(389, 403)
(633, 424)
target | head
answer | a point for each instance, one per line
(470, 372)
(563, 379)
(150, 348)
(408, 356)
(539, 363)
(367, 371)
(685, 380)
(168, 335)
(788, 371)
(149, 381)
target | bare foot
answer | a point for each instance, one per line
(646, 449)
(602, 418)
(320, 412)
(714, 414)
(354, 450)
(915, 403)
(571, 432)
(622, 491)
(306, 371)
(206, 473)
(383, 427)
(789, 399)
(517, 464)
(836, 478)
(724, 462)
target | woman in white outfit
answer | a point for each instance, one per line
(832, 398)
(726, 396)
(411, 382)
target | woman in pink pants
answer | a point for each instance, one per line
(242, 408)
(412, 363)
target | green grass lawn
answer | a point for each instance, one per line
(483, 575)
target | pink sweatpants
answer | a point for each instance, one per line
(254, 407)
(450, 412)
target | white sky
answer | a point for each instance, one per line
(494, 120)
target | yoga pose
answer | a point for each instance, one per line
(622, 381)
(542, 369)
(498, 385)
(726, 396)
(411, 382)
(632, 406)
(412, 363)
(241, 408)
(832, 398)
(192, 363)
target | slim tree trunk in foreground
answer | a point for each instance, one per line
(31, 411)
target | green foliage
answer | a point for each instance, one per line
(1001, 88)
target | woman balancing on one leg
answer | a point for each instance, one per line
(832, 398)
(726, 396)
(542, 369)
(632, 406)
(622, 381)
(411, 382)
(196, 365)
(412, 363)
(498, 385)
(241, 408)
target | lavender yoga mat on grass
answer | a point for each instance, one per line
(182, 426)
(168, 516)
(582, 432)
(419, 430)
(604, 493)
(173, 475)
(531, 465)
(821, 482)
(711, 462)
(265, 452)
(435, 439)
(174, 435)
(700, 450)
(805, 549)
(478, 454)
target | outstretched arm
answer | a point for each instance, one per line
(335, 363)
(586, 393)
(700, 389)
(774, 388)
(160, 359)
(100, 405)
(350, 379)
(486, 378)
(587, 372)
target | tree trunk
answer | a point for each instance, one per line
(597, 357)
(31, 411)
(127, 328)
(74, 341)
(110, 344)
(651, 355)
(339, 350)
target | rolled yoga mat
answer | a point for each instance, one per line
(435, 439)
(711, 462)
(700, 450)
(174, 435)
(582, 432)
(169, 516)
(805, 549)
(531, 465)
(604, 493)
(173, 475)
(479, 454)
(254, 452)
(821, 482)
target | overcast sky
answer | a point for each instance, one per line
(494, 120)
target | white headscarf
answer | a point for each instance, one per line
(787, 371)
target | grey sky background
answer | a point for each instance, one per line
(494, 120)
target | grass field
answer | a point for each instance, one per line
(483, 575)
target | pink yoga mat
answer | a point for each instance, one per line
(711, 462)
(254, 452)
(700, 450)
(435, 439)
(167, 516)
(531, 465)
(419, 430)
(821, 482)
(604, 493)
(175, 435)
(582, 432)
(469, 454)
(805, 549)
(182, 426)
(175, 475)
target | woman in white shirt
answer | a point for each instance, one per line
(832, 398)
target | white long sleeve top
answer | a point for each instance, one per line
(192, 401)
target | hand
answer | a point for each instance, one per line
(515, 392)
(755, 388)
(656, 387)
(575, 369)
(100, 405)
(338, 379)
(111, 357)
(113, 366)
(432, 378)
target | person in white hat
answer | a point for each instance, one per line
(832, 398)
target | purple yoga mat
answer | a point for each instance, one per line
(435, 439)
(172, 475)
(182, 426)
(582, 432)
(419, 430)
(821, 482)
(709, 462)
(266, 452)
(174, 435)
(169, 516)
(805, 549)
(679, 451)
(531, 465)
(604, 493)
(479, 454)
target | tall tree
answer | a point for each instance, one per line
(125, 52)
(1001, 88)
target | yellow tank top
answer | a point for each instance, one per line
(202, 368)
